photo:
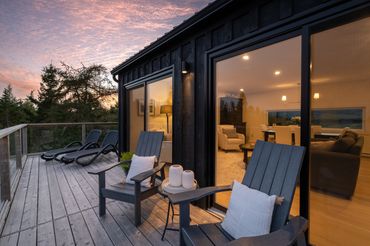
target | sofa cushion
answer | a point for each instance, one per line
(230, 133)
(322, 145)
(350, 134)
(343, 144)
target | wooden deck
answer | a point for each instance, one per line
(57, 204)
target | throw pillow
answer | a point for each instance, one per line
(140, 164)
(249, 213)
(350, 134)
(230, 133)
(343, 144)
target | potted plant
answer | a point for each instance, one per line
(125, 156)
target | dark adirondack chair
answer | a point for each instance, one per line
(149, 144)
(274, 170)
(109, 144)
(91, 138)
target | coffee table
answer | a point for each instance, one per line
(246, 148)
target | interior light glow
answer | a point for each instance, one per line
(246, 57)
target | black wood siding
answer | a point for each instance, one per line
(190, 92)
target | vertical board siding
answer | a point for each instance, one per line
(190, 92)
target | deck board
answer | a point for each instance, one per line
(57, 204)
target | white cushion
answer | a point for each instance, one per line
(249, 212)
(140, 164)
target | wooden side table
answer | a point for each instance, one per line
(246, 148)
(165, 194)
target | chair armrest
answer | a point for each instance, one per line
(142, 176)
(241, 136)
(190, 196)
(107, 168)
(73, 143)
(89, 145)
(289, 234)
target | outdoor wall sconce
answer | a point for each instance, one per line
(316, 95)
(184, 67)
(284, 98)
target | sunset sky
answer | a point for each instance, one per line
(34, 33)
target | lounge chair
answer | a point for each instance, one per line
(108, 145)
(273, 169)
(91, 138)
(149, 144)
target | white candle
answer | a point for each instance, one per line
(175, 175)
(187, 179)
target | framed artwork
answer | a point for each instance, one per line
(141, 107)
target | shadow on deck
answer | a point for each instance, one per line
(57, 204)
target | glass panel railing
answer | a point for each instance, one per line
(11, 144)
(44, 137)
(12, 156)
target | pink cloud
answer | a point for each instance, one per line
(104, 32)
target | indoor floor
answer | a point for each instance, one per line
(334, 220)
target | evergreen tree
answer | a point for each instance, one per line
(50, 96)
(14, 111)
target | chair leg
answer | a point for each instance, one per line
(137, 204)
(102, 199)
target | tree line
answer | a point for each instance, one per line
(66, 94)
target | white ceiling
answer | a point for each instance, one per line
(338, 55)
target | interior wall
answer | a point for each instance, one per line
(161, 94)
(258, 105)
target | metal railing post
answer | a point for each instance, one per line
(83, 132)
(4, 168)
(25, 140)
(18, 149)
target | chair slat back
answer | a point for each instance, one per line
(110, 138)
(93, 136)
(274, 170)
(149, 144)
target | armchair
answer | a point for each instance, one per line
(226, 143)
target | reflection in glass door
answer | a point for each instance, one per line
(340, 135)
(136, 111)
(159, 113)
(258, 98)
(150, 109)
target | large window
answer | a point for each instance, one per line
(326, 118)
(338, 118)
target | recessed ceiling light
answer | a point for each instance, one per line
(283, 98)
(241, 90)
(246, 57)
(277, 72)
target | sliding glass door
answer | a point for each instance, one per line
(150, 109)
(340, 136)
(258, 97)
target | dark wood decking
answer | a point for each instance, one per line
(57, 204)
